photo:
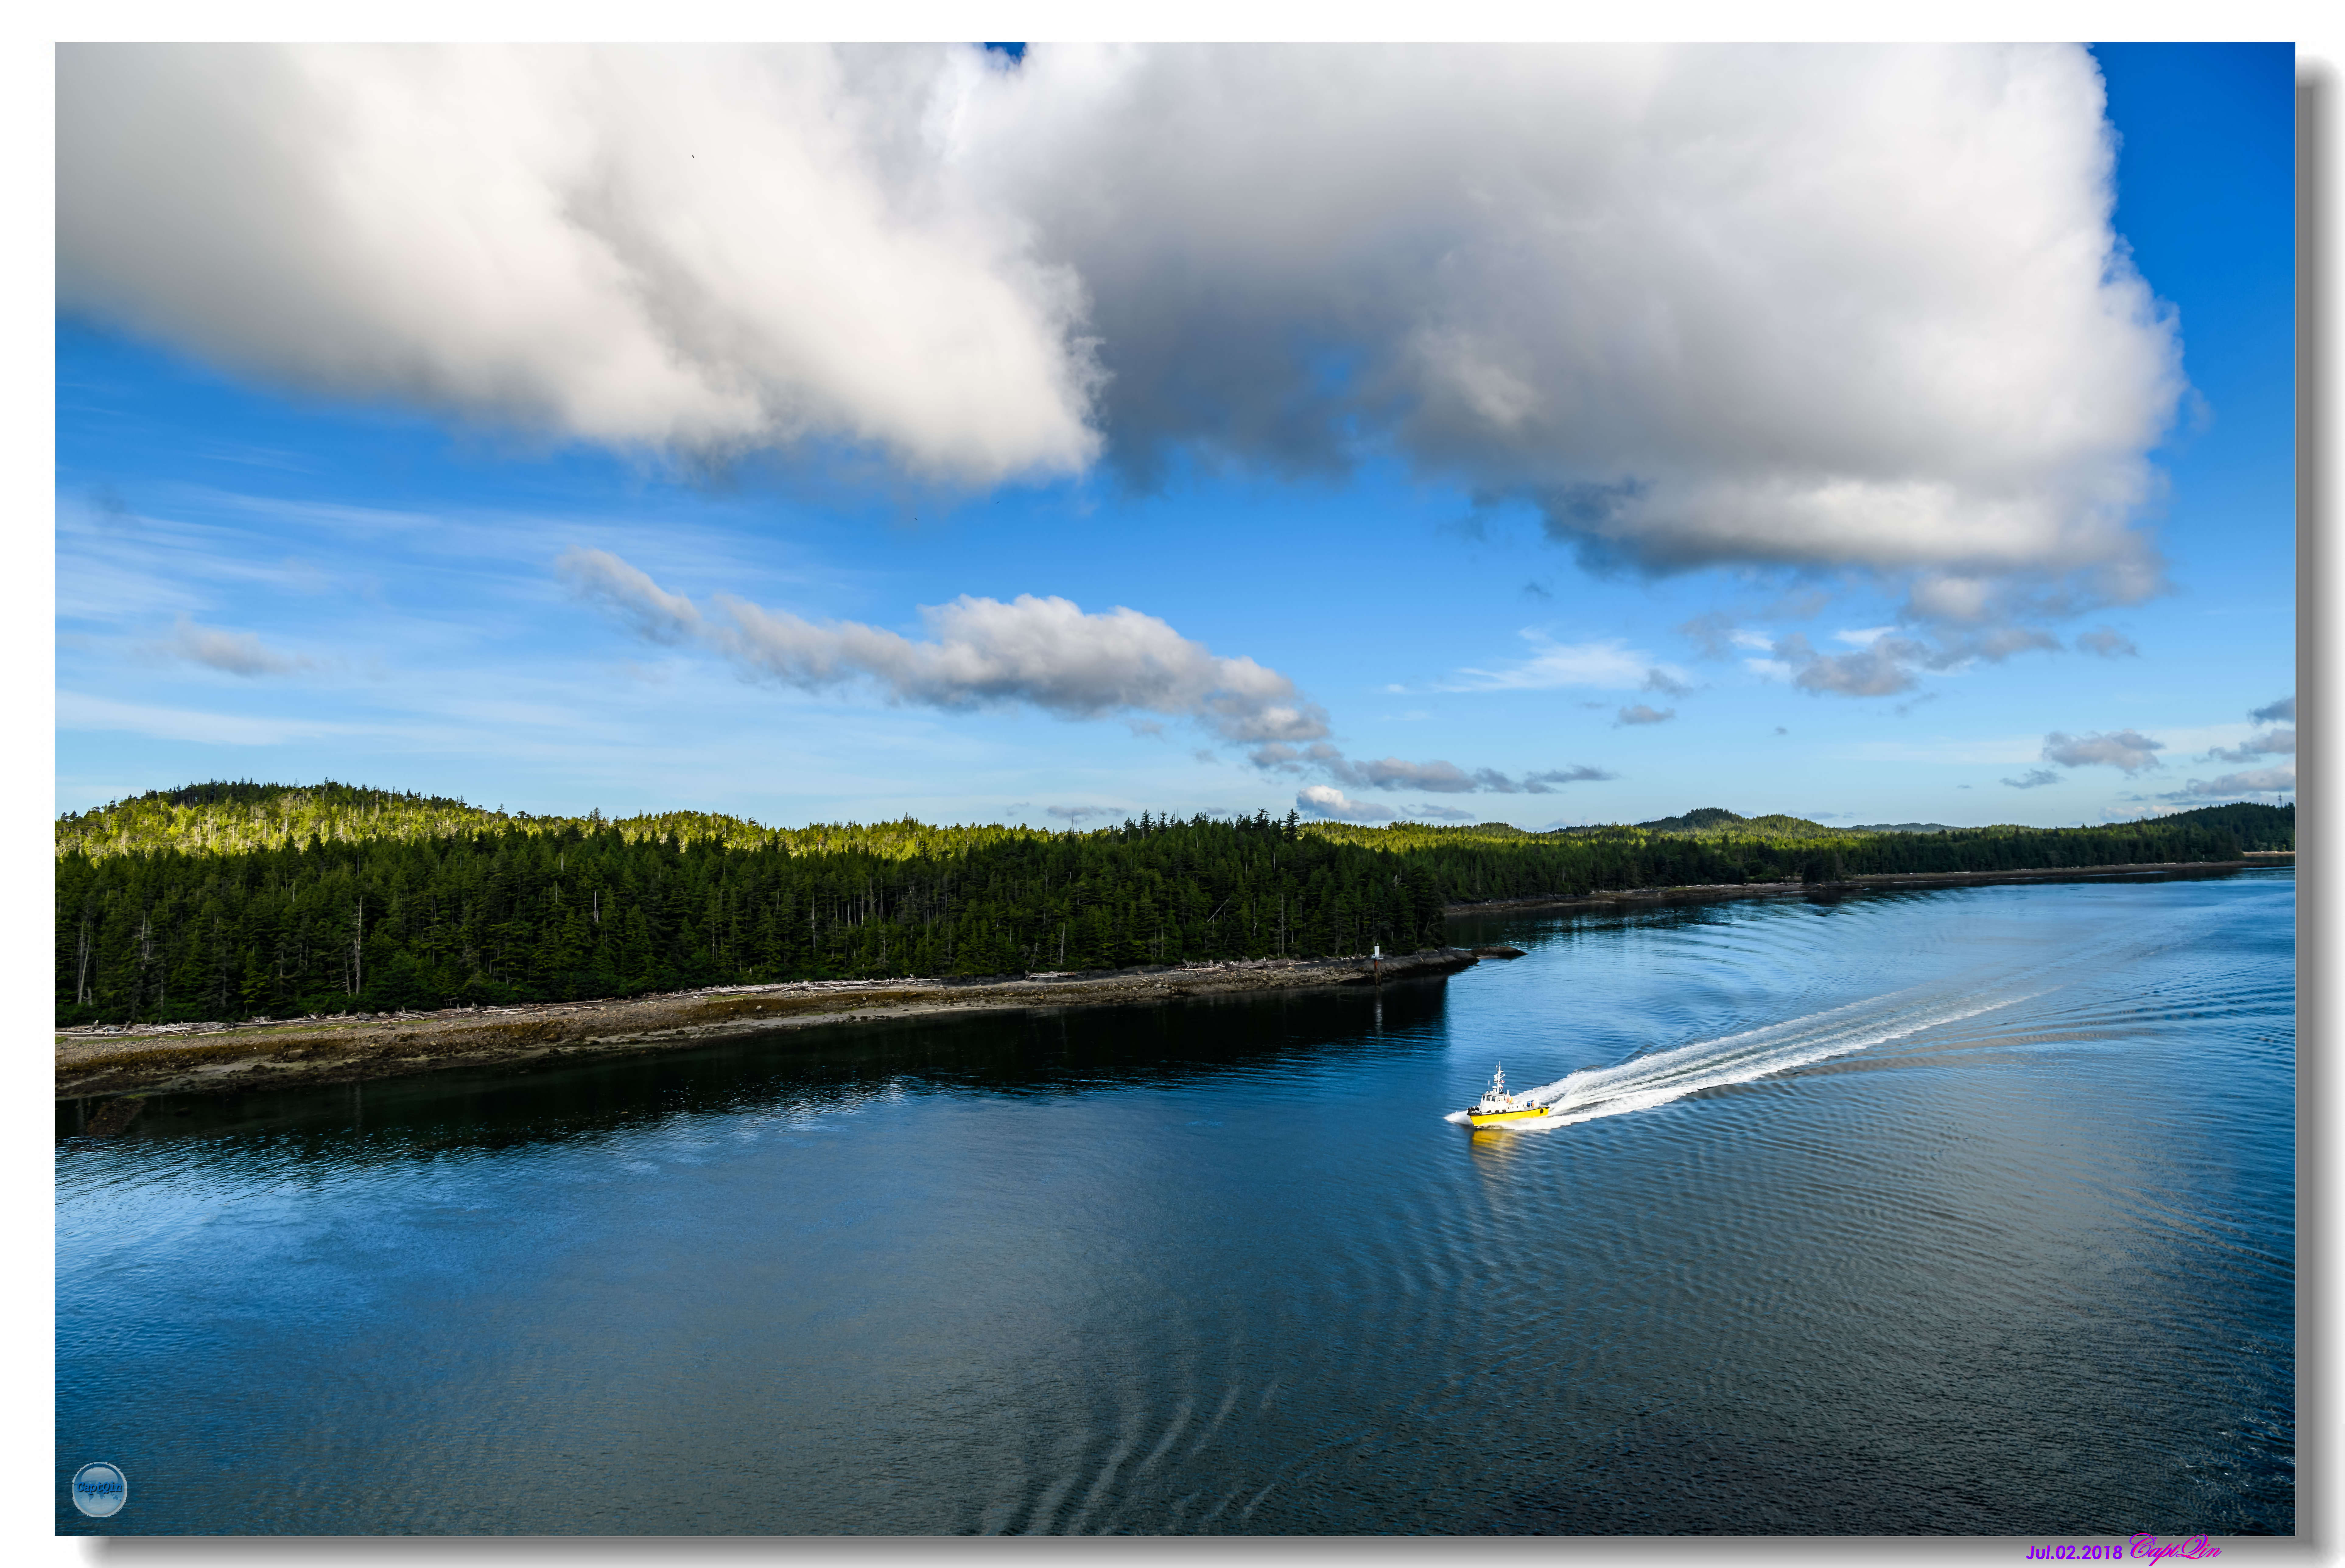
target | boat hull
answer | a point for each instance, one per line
(1494, 1118)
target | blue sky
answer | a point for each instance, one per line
(302, 538)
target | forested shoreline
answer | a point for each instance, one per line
(248, 900)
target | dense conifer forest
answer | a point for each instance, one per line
(236, 900)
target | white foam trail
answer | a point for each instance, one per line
(1644, 1082)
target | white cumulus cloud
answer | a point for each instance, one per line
(685, 248)
(1794, 306)
(1046, 652)
(1043, 652)
(1326, 801)
(1798, 307)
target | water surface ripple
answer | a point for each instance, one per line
(1969, 1210)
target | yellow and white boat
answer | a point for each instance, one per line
(1497, 1105)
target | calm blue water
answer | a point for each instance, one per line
(1995, 1235)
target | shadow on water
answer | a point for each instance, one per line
(1036, 1051)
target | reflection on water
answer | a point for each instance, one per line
(1966, 1211)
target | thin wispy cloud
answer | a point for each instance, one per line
(1887, 663)
(1392, 774)
(2270, 743)
(1555, 778)
(2272, 713)
(90, 710)
(1606, 664)
(1666, 683)
(1881, 668)
(230, 652)
(2108, 643)
(2270, 780)
(649, 610)
(1715, 635)
(2274, 742)
(1443, 778)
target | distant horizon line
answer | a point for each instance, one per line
(1076, 818)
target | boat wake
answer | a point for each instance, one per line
(1644, 1082)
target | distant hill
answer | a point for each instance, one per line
(1713, 822)
(1694, 821)
(225, 817)
(2255, 827)
(1410, 836)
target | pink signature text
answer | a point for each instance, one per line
(2140, 1549)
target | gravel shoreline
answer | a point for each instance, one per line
(231, 1059)
(235, 1058)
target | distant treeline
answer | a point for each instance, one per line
(192, 905)
(1782, 849)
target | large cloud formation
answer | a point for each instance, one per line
(701, 249)
(1801, 307)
